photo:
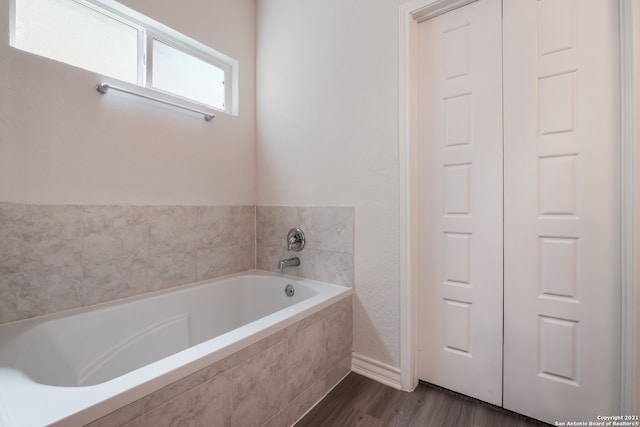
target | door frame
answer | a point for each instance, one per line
(410, 15)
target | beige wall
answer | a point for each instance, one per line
(63, 143)
(327, 94)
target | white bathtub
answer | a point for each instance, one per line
(74, 367)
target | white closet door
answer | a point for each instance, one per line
(460, 201)
(561, 349)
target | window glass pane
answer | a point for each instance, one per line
(185, 75)
(67, 31)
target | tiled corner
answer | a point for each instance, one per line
(339, 333)
(319, 356)
(328, 252)
(327, 228)
(54, 258)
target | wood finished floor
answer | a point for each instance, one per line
(359, 401)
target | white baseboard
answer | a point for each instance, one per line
(377, 371)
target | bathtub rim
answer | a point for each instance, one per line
(88, 408)
(158, 292)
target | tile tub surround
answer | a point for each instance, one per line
(273, 382)
(329, 232)
(59, 257)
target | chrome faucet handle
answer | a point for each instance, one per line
(295, 240)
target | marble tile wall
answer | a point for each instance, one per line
(329, 231)
(272, 383)
(54, 258)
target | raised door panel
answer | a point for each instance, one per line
(460, 157)
(561, 300)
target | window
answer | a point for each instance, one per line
(175, 71)
(107, 38)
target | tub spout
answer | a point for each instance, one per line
(289, 262)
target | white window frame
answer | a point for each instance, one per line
(148, 30)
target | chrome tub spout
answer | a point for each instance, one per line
(289, 262)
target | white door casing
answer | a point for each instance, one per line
(562, 209)
(460, 200)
